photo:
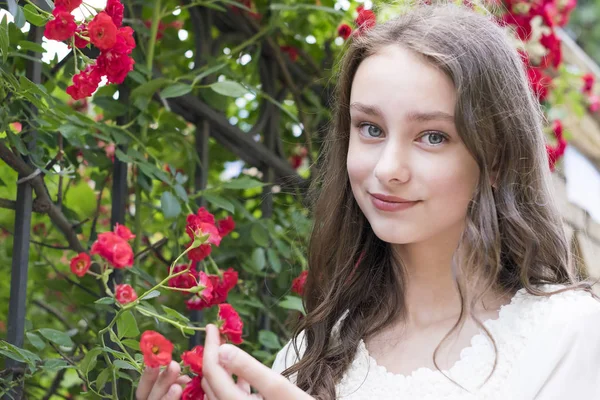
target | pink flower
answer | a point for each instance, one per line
(231, 325)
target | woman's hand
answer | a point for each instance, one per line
(165, 385)
(220, 361)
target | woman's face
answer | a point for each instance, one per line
(404, 145)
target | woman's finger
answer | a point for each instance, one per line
(164, 381)
(243, 385)
(183, 380)
(269, 384)
(174, 393)
(208, 392)
(221, 382)
(146, 383)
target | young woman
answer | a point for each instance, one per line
(439, 267)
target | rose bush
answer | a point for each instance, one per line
(169, 152)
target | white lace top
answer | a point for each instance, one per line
(548, 349)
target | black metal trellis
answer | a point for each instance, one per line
(20, 256)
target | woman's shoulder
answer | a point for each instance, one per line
(559, 304)
(290, 354)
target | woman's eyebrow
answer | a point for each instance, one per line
(418, 116)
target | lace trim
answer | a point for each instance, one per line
(475, 349)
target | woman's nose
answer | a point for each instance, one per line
(393, 165)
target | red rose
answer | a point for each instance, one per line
(193, 390)
(366, 18)
(291, 51)
(231, 326)
(183, 281)
(540, 82)
(85, 83)
(588, 83)
(157, 349)
(68, 5)
(103, 31)
(221, 286)
(299, 282)
(225, 226)
(115, 65)
(123, 231)
(80, 264)
(113, 249)
(80, 43)
(62, 27)
(557, 128)
(124, 293)
(114, 9)
(125, 41)
(193, 359)
(344, 31)
(199, 253)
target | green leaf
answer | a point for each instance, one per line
(258, 258)
(208, 72)
(18, 354)
(170, 205)
(12, 7)
(27, 45)
(269, 340)
(175, 314)
(55, 364)
(35, 340)
(219, 201)
(148, 88)
(57, 337)
(152, 294)
(105, 300)
(132, 344)
(20, 18)
(181, 193)
(4, 40)
(176, 90)
(274, 260)
(127, 325)
(103, 378)
(243, 183)
(121, 364)
(259, 234)
(229, 88)
(33, 16)
(89, 361)
(292, 303)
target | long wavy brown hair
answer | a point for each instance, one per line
(514, 236)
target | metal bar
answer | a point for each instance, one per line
(20, 256)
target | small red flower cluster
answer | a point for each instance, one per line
(158, 350)
(203, 223)
(588, 87)
(553, 14)
(106, 33)
(299, 282)
(113, 247)
(557, 151)
(218, 288)
(298, 155)
(160, 33)
(365, 20)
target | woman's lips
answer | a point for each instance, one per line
(391, 206)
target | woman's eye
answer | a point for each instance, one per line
(434, 138)
(370, 131)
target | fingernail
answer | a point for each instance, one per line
(226, 353)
